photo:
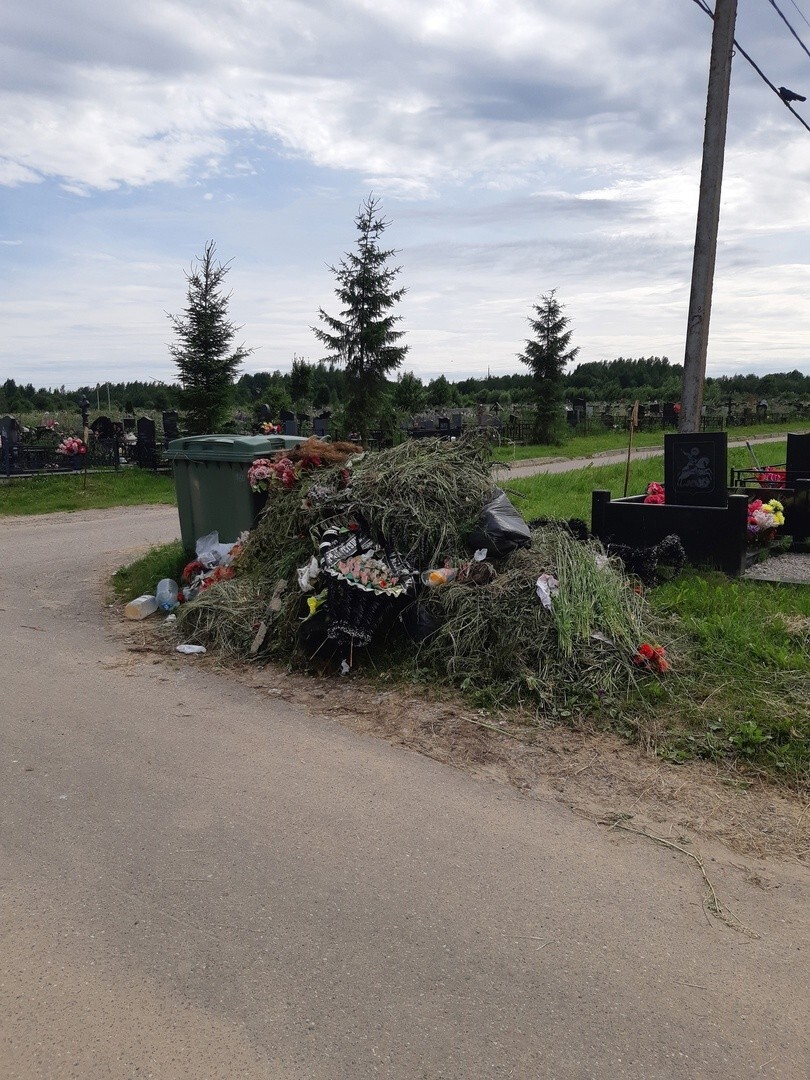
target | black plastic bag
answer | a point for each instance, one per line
(500, 528)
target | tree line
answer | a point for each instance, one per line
(359, 376)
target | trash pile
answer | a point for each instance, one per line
(413, 549)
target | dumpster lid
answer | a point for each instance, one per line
(229, 447)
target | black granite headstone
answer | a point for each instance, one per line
(798, 458)
(102, 427)
(171, 429)
(695, 469)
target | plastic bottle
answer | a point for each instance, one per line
(141, 606)
(166, 594)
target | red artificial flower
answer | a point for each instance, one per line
(191, 570)
(651, 657)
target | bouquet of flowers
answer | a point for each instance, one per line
(772, 478)
(70, 446)
(655, 494)
(271, 429)
(264, 472)
(764, 519)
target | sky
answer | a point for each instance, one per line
(517, 146)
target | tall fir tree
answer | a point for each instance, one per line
(205, 362)
(547, 355)
(364, 339)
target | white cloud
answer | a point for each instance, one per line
(519, 146)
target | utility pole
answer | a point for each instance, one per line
(708, 217)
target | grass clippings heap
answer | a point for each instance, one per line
(420, 498)
(501, 642)
(494, 637)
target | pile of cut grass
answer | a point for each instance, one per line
(502, 643)
(422, 499)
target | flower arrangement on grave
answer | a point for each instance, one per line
(71, 445)
(271, 429)
(772, 478)
(764, 518)
(655, 494)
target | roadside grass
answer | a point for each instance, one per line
(585, 445)
(142, 575)
(68, 492)
(741, 693)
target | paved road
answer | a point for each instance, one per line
(200, 881)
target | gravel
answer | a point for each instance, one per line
(790, 567)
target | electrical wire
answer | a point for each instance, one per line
(800, 11)
(777, 9)
(705, 7)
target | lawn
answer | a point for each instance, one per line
(96, 491)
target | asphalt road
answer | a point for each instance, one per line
(198, 881)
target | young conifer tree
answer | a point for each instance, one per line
(206, 364)
(547, 355)
(363, 340)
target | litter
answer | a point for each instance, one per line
(190, 650)
(547, 588)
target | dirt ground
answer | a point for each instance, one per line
(596, 774)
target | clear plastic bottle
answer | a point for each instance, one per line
(141, 606)
(166, 594)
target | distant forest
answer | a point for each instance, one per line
(318, 387)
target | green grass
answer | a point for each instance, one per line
(48, 494)
(142, 576)
(586, 445)
(742, 690)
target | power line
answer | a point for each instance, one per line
(777, 9)
(705, 7)
(800, 11)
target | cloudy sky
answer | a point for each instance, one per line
(518, 146)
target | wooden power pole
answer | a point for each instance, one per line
(708, 217)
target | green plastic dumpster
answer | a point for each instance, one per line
(210, 478)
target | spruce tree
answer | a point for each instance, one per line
(205, 362)
(547, 355)
(363, 340)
